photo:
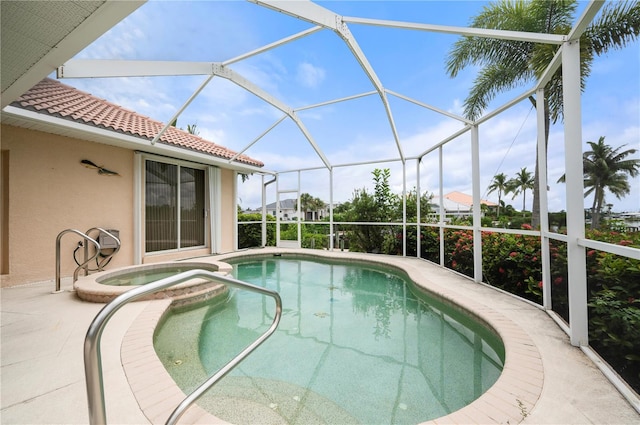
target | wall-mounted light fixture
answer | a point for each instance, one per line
(101, 170)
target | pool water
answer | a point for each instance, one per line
(142, 277)
(356, 344)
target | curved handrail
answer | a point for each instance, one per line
(106, 259)
(92, 357)
(87, 260)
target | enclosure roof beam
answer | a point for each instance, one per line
(316, 14)
(445, 141)
(101, 68)
(551, 69)
(433, 108)
(89, 68)
(343, 31)
(350, 164)
(303, 10)
(273, 45)
(506, 106)
(576, 32)
(258, 138)
(125, 68)
(585, 19)
(239, 80)
(330, 102)
(175, 116)
(464, 31)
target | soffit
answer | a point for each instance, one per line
(38, 36)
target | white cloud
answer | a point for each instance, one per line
(309, 75)
(457, 107)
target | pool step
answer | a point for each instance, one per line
(243, 400)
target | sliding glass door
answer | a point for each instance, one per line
(175, 206)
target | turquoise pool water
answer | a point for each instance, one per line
(356, 344)
(146, 274)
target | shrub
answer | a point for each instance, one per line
(250, 235)
(459, 250)
(315, 241)
(512, 262)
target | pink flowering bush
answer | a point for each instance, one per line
(512, 262)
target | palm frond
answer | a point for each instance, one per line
(490, 81)
(617, 25)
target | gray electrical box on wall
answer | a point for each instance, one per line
(106, 241)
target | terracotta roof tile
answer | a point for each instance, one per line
(53, 98)
(464, 199)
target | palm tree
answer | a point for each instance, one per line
(317, 205)
(193, 129)
(498, 183)
(306, 203)
(507, 64)
(606, 168)
(519, 184)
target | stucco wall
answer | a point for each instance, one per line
(50, 191)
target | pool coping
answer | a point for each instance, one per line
(509, 400)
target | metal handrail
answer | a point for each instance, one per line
(106, 259)
(86, 260)
(92, 356)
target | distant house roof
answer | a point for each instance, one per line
(285, 204)
(50, 97)
(458, 201)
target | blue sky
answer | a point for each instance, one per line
(320, 67)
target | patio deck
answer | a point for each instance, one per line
(43, 375)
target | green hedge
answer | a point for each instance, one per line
(250, 235)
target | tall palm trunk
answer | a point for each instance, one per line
(598, 199)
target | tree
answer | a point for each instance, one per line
(379, 207)
(193, 129)
(317, 205)
(606, 168)
(499, 183)
(519, 184)
(507, 64)
(385, 200)
(305, 202)
(411, 201)
(310, 204)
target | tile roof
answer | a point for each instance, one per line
(53, 98)
(458, 199)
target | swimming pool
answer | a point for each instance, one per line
(356, 344)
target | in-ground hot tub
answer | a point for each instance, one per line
(104, 286)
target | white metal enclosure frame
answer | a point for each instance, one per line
(322, 19)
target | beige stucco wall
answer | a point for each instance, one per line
(50, 191)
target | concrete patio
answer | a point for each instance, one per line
(43, 374)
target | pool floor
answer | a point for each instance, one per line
(354, 342)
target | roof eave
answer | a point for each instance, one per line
(19, 117)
